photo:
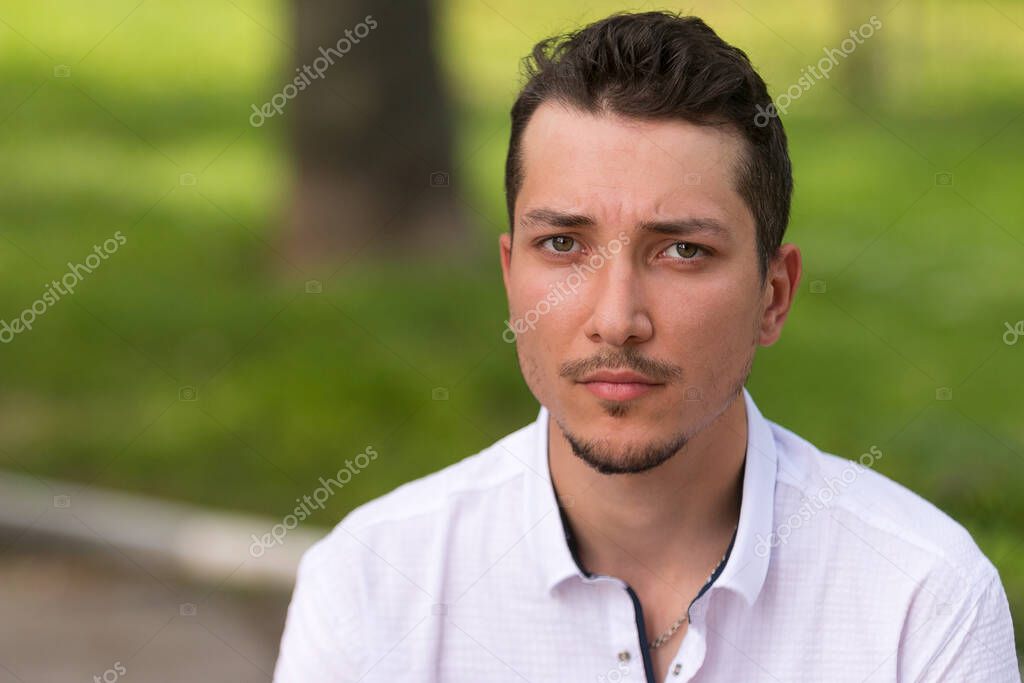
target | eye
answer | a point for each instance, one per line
(560, 243)
(684, 251)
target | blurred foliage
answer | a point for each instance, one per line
(920, 276)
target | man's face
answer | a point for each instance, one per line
(634, 256)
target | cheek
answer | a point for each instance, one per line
(547, 316)
(528, 365)
(547, 304)
(538, 360)
(710, 321)
(527, 287)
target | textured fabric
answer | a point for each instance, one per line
(836, 574)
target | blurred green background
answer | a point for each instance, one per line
(920, 270)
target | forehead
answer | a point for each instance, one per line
(623, 170)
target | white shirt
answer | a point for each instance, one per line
(836, 574)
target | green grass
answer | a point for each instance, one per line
(919, 277)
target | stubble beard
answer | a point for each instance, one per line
(636, 458)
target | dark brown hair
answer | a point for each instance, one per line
(658, 66)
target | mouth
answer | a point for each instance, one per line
(619, 386)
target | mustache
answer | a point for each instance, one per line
(630, 358)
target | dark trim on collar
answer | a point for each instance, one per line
(718, 570)
(638, 610)
(570, 540)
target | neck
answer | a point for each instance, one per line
(668, 521)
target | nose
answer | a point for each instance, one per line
(619, 315)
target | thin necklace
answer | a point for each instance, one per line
(667, 635)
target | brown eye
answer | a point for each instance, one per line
(562, 243)
(686, 250)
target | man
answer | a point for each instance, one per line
(651, 525)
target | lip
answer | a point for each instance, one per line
(619, 391)
(618, 377)
(618, 385)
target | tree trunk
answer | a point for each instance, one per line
(372, 134)
(862, 76)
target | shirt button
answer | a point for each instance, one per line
(676, 669)
(624, 656)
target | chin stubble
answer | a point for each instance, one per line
(636, 459)
(632, 461)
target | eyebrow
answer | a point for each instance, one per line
(674, 227)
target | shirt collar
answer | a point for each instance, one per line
(747, 566)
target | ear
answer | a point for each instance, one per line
(783, 278)
(505, 245)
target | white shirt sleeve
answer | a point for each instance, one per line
(321, 636)
(971, 640)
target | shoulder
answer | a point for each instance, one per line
(418, 517)
(870, 520)
(437, 494)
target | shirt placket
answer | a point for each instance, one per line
(692, 650)
(626, 660)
